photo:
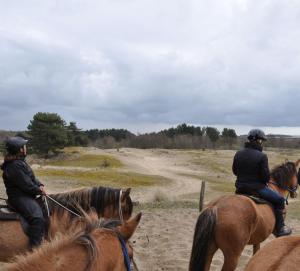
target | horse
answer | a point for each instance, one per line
(231, 222)
(86, 246)
(279, 255)
(107, 203)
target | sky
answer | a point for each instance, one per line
(150, 64)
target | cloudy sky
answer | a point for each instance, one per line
(149, 64)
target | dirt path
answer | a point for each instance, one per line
(169, 164)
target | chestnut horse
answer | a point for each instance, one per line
(231, 222)
(279, 255)
(107, 202)
(85, 247)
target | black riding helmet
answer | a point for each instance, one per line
(14, 144)
(256, 134)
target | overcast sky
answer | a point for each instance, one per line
(149, 64)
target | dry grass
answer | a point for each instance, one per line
(101, 177)
(87, 161)
(167, 205)
(159, 196)
(293, 210)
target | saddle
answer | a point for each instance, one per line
(257, 200)
(8, 213)
(253, 196)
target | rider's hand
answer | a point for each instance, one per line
(43, 190)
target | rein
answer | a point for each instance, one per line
(59, 204)
(76, 214)
(291, 190)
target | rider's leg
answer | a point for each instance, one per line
(279, 204)
(32, 212)
(275, 198)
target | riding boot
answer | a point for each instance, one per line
(280, 228)
(36, 232)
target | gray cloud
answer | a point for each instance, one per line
(142, 64)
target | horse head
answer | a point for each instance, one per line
(126, 204)
(285, 177)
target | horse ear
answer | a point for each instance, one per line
(126, 193)
(128, 228)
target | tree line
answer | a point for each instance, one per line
(49, 133)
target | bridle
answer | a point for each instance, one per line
(120, 207)
(127, 259)
(290, 190)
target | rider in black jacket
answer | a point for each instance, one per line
(251, 167)
(22, 187)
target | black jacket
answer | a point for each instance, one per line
(19, 179)
(251, 167)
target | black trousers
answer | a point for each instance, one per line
(32, 212)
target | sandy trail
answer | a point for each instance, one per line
(170, 164)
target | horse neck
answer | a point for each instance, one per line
(272, 185)
(83, 198)
(80, 197)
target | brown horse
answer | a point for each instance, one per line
(279, 255)
(86, 246)
(107, 202)
(231, 222)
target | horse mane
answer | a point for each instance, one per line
(96, 198)
(283, 173)
(80, 232)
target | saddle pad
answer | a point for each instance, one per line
(7, 214)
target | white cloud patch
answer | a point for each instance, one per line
(139, 62)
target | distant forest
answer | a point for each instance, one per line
(49, 133)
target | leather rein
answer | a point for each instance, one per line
(78, 215)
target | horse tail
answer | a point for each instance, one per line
(204, 233)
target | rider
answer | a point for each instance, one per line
(251, 167)
(22, 187)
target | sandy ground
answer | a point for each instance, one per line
(169, 164)
(164, 238)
